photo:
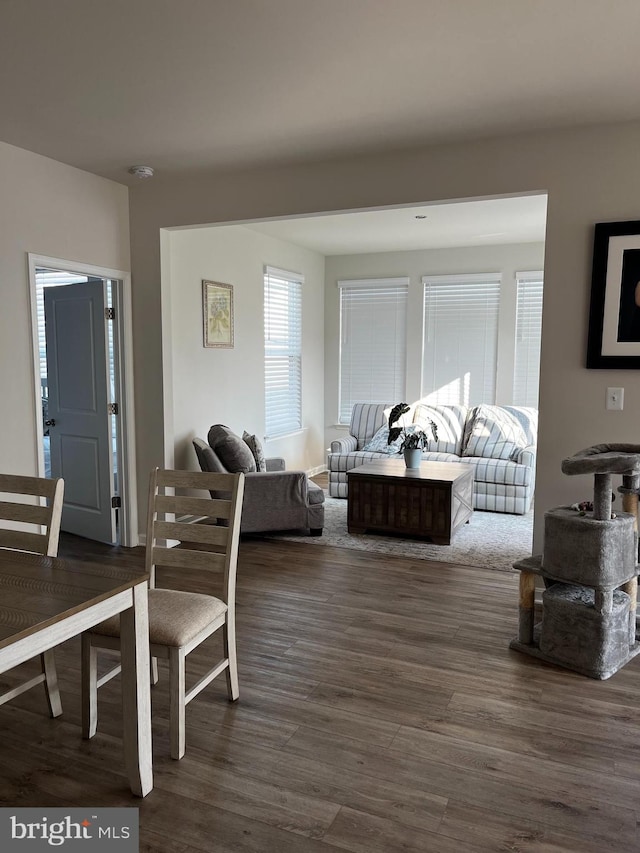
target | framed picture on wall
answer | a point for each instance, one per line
(217, 313)
(614, 316)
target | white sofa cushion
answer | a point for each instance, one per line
(450, 422)
(495, 434)
(347, 461)
(436, 456)
(500, 471)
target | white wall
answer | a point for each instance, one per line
(589, 174)
(211, 385)
(507, 260)
(49, 209)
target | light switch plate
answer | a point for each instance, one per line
(615, 399)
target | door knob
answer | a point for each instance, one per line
(51, 422)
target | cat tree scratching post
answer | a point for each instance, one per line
(590, 569)
(629, 491)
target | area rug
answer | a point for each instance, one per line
(491, 540)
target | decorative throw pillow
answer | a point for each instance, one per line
(231, 450)
(255, 446)
(495, 434)
(450, 422)
(378, 443)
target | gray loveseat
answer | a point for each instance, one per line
(498, 441)
(274, 499)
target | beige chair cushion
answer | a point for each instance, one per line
(175, 618)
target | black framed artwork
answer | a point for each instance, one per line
(614, 315)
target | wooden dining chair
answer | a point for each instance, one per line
(180, 621)
(26, 523)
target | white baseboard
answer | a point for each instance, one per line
(319, 469)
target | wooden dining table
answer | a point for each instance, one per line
(47, 600)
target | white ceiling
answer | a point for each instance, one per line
(470, 223)
(186, 85)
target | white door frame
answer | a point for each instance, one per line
(123, 342)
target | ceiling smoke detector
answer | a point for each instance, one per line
(141, 171)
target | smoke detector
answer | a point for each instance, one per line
(141, 171)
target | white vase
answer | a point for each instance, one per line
(412, 457)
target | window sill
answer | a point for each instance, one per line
(284, 435)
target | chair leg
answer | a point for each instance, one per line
(154, 670)
(176, 702)
(48, 662)
(89, 688)
(229, 635)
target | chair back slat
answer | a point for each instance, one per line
(20, 540)
(205, 480)
(17, 484)
(206, 534)
(36, 515)
(25, 513)
(183, 558)
(223, 540)
(200, 507)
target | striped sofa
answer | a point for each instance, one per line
(498, 441)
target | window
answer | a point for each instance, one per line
(282, 351)
(528, 335)
(460, 338)
(373, 342)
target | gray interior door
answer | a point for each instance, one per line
(78, 416)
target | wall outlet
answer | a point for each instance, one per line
(615, 399)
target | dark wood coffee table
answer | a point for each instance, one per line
(433, 500)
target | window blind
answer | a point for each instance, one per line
(282, 351)
(460, 337)
(49, 278)
(373, 342)
(526, 372)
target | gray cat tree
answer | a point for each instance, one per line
(590, 570)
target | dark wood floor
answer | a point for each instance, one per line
(380, 711)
